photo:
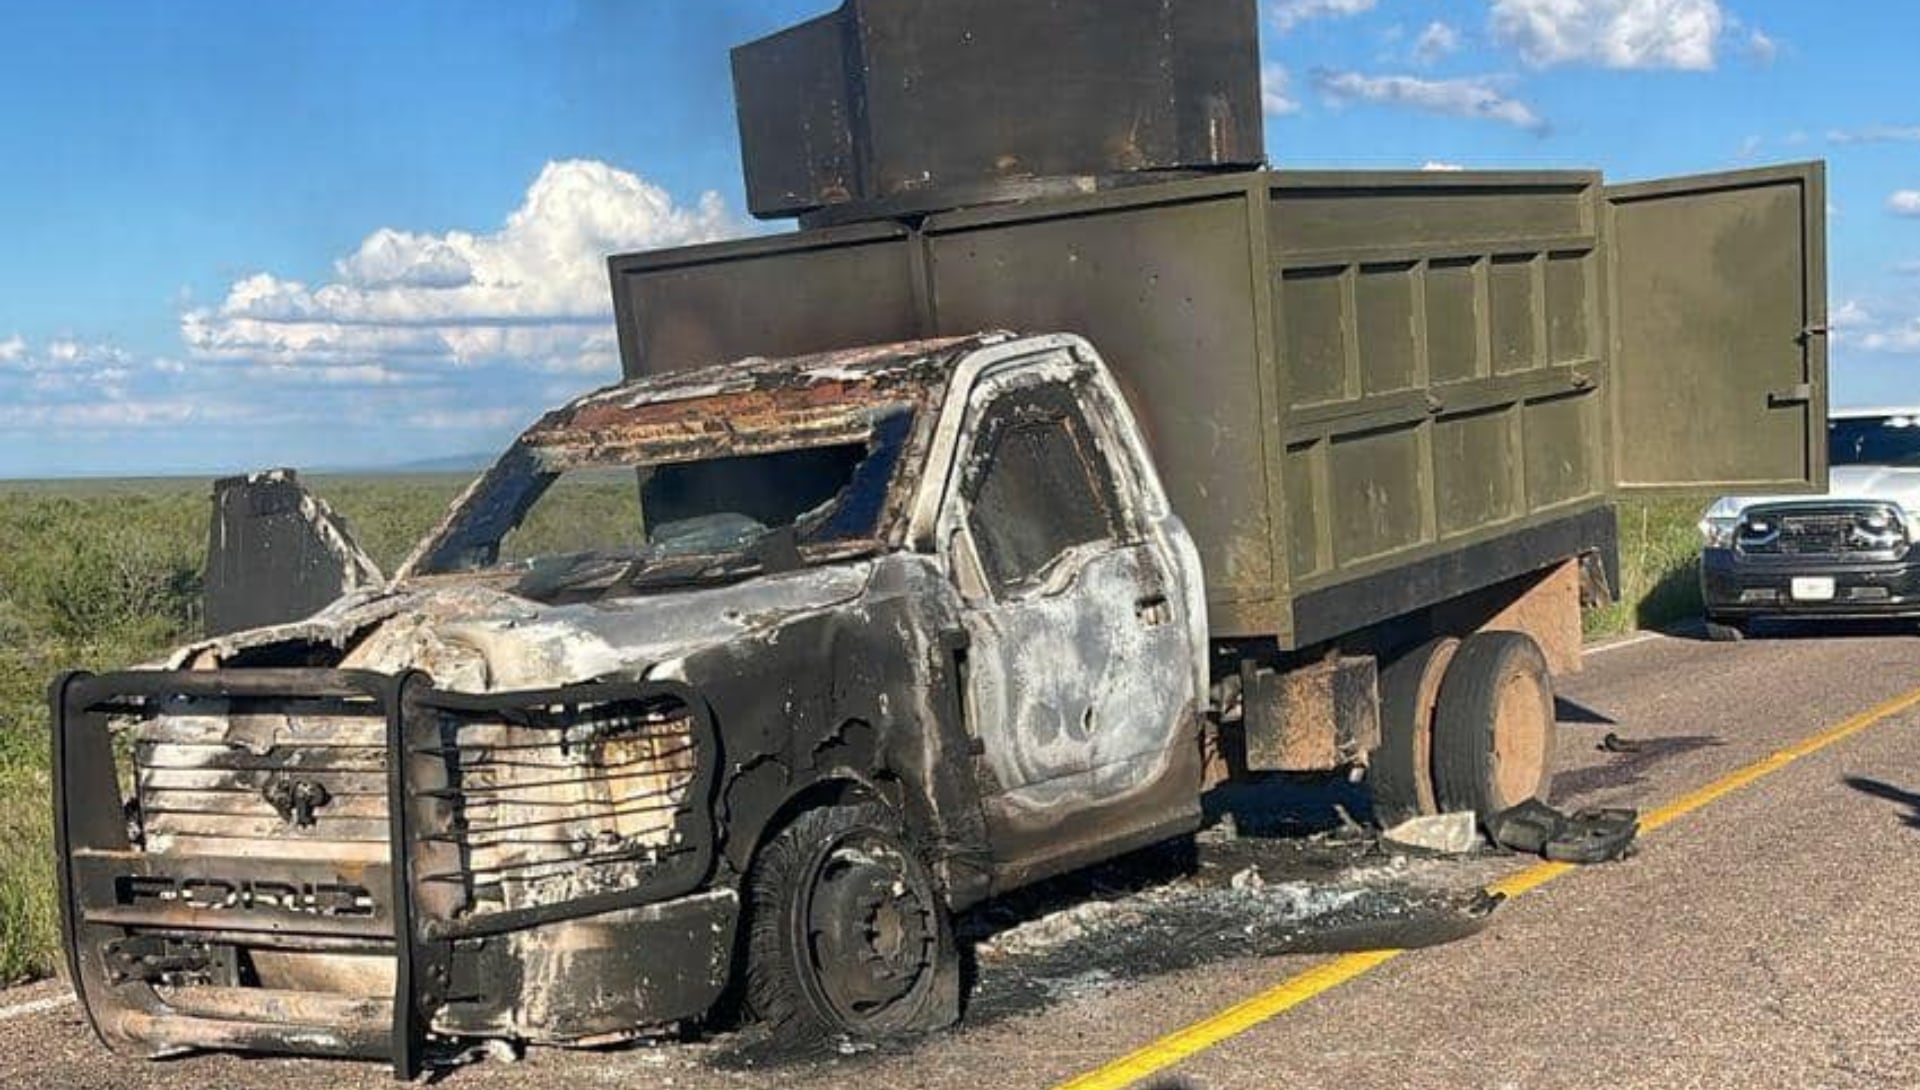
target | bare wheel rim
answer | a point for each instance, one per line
(1425, 707)
(868, 931)
(1519, 737)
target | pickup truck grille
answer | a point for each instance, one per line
(305, 784)
(552, 805)
(1866, 529)
(545, 804)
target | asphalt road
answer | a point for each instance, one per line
(1762, 939)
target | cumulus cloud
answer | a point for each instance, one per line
(1761, 46)
(1287, 14)
(1276, 90)
(1436, 42)
(1904, 202)
(532, 293)
(1472, 98)
(1682, 34)
(13, 349)
(1436, 166)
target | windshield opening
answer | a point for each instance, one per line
(633, 523)
(1874, 440)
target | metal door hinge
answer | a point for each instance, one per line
(1799, 394)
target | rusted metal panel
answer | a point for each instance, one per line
(1719, 331)
(1312, 718)
(905, 106)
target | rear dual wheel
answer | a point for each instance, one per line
(1465, 725)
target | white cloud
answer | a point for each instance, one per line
(471, 419)
(1876, 134)
(1472, 98)
(1683, 34)
(533, 293)
(1850, 315)
(1276, 86)
(1749, 147)
(1287, 14)
(117, 415)
(1902, 339)
(1437, 166)
(1761, 46)
(1435, 42)
(63, 355)
(1904, 202)
(1858, 328)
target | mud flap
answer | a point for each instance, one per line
(276, 553)
(1588, 836)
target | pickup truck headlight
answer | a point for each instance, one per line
(1720, 522)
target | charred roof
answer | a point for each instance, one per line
(750, 403)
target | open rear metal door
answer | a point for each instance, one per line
(1718, 291)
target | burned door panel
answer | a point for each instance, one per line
(1079, 684)
(1718, 326)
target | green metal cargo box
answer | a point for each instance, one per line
(1367, 393)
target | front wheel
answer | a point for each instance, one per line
(847, 932)
(1726, 629)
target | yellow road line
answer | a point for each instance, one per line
(1183, 1044)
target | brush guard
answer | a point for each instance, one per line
(136, 924)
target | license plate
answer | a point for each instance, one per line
(1813, 590)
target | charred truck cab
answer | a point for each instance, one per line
(844, 612)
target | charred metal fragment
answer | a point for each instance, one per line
(276, 553)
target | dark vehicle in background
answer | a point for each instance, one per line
(1845, 554)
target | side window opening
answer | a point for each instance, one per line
(1036, 487)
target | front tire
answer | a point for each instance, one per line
(848, 934)
(1726, 629)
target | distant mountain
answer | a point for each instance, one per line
(446, 463)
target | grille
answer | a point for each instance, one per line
(208, 782)
(1835, 531)
(553, 804)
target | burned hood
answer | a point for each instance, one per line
(473, 638)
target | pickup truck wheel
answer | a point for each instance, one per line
(847, 932)
(1400, 774)
(1493, 728)
(1726, 629)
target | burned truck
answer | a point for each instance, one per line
(1065, 464)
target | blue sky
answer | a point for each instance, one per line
(244, 234)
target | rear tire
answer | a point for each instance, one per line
(848, 934)
(1493, 728)
(1726, 629)
(1401, 773)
